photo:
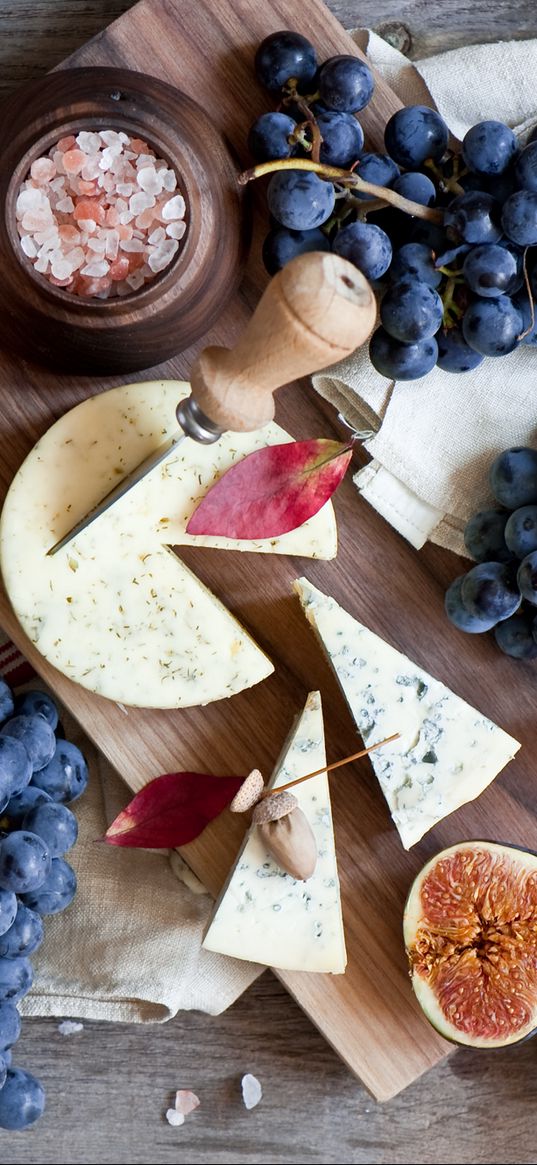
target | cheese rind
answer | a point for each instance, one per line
(447, 754)
(263, 914)
(115, 610)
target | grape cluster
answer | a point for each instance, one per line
(500, 592)
(39, 771)
(454, 264)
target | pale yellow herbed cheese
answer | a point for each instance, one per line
(116, 610)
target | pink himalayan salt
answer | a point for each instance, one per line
(90, 196)
(74, 160)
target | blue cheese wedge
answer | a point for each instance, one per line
(116, 610)
(447, 754)
(265, 915)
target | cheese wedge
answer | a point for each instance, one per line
(263, 914)
(116, 610)
(447, 753)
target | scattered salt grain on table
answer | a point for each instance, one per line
(100, 215)
(251, 1090)
(185, 1103)
(174, 1118)
(69, 1028)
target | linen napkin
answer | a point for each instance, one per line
(129, 947)
(432, 440)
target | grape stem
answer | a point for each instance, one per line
(530, 297)
(296, 98)
(345, 178)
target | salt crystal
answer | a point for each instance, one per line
(74, 160)
(185, 1101)
(145, 160)
(87, 224)
(43, 169)
(141, 201)
(41, 264)
(60, 267)
(137, 232)
(138, 146)
(68, 233)
(251, 1090)
(36, 220)
(121, 205)
(91, 168)
(98, 245)
(174, 1118)
(30, 199)
(131, 245)
(50, 234)
(125, 231)
(28, 246)
(173, 208)
(95, 270)
(58, 183)
(111, 137)
(66, 143)
(65, 205)
(119, 268)
(112, 244)
(157, 236)
(125, 217)
(76, 258)
(169, 180)
(126, 188)
(149, 180)
(86, 209)
(176, 230)
(162, 255)
(88, 141)
(107, 182)
(112, 217)
(69, 1028)
(135, 280)
(84, 187)
(108, 155)
(146, 218)
(57, 158)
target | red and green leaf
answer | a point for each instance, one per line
(273, 490)
(172, 810)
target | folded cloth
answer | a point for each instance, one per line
(129, 946)
(432, 440)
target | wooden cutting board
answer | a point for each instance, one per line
(369, 1015)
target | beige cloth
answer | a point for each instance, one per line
(432, 440)
(129, 946)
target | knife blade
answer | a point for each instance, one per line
(318, 309)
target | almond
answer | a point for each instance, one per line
(290, 841)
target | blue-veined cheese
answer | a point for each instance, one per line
(447, 752)
(116, 610)
(265, 915)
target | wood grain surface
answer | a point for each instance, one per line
(110, 1086)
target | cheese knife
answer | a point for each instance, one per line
(318, 309)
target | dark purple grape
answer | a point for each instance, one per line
(492, 326)
(521, 531)
(415, 259)
(489, 591)
(513, 477)
(299, 200)
(378, 169)
(283, 56)
(416, 187)
(400, 361)
(411, 310)
(22, 1100)
(268, 138)
(458, 613)
(343, 138)
(454, 354)
(473, 218)
(346, 84)
(489, 147)
(414, 134)
(365, 245)
(514, 637)
(519, 218)
(484, 536)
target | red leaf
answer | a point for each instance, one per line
(273, 490)
(172, 810)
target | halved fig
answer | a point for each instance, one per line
(470, 929)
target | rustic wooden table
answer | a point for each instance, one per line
(113, 1082)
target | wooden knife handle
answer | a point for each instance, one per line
(316, 310)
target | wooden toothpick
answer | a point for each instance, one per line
(328, 768)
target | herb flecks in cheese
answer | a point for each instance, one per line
(265, 915)
(116, 610)
(447, 752)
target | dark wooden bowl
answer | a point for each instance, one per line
(49, 324)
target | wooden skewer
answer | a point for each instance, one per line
(329, 768)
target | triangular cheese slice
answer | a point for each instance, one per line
(262, 913)
(115, 610)
(447, 752)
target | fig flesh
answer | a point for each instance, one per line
(470, 930)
